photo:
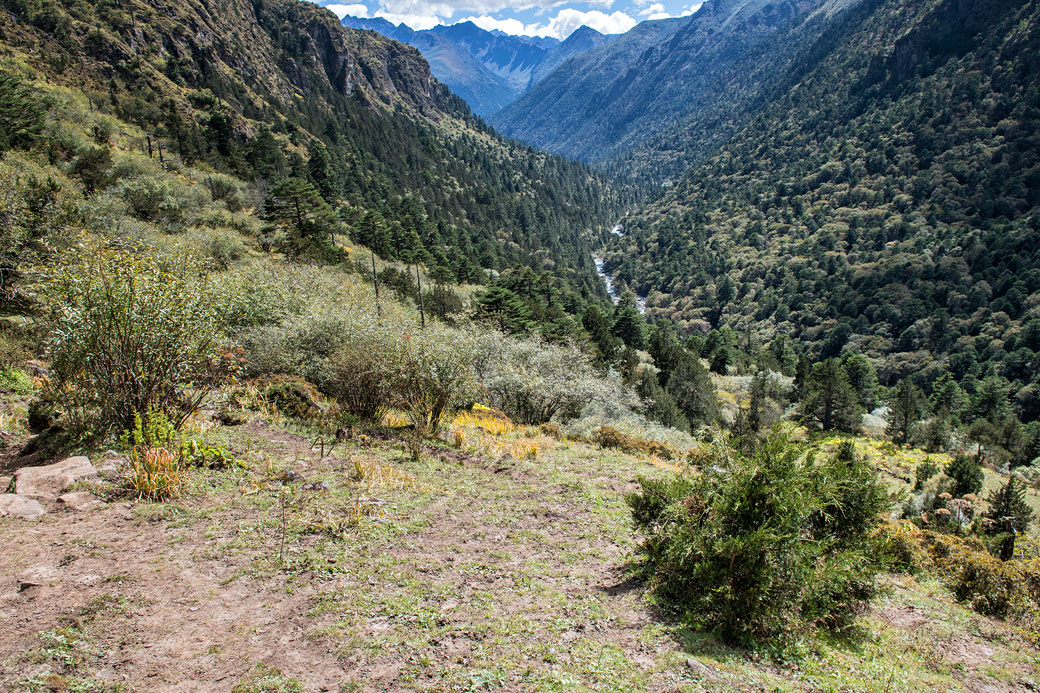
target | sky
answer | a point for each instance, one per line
(556, 18)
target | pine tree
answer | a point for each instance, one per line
(693, 391)
(295, 206)
(1007, 505)
(321, 172)
(629, 325)
(21, 117)
(830, 399)
(505, 310)
(596, 322)
(862, 377)
(966, 473)
(907, 408)
(660, 404)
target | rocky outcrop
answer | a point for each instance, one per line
(48, 482)
(12, 505)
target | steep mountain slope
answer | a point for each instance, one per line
(888, 200)
(466, 76)
(655, 76)
(251, 87)
(489, 69)
(584, 38)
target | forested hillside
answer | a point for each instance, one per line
(276, 89)
(668, 92)
(885, 204)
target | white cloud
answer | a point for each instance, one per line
(654, 11)
(691, 9)
(561, 26)
(413, 21)
(508, 25)
(342, 11)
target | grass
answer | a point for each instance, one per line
(481, 573)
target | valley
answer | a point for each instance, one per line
(699, 353)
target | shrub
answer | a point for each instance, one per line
(295, 397)
(435, 376)
(762, 547)
(610, 437)
(966, 473)
(162, 199)
(534, 382)
(131, 334)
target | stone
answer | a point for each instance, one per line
(80, 500)
(19, 506)
(5, 483)
(701, 669)
(48, 482)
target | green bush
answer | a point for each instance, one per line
(763, 547)
(966, 473)
(534, 381)
(131, 334)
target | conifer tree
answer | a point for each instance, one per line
(907, 407)
(830, 399)
(966, 473)
(693, 391)
(629, 325)
(1007, 505)
(21, 118)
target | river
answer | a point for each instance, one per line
(608, 279)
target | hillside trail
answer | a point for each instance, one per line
(172, 600)
(485, 574)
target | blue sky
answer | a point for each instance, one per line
(556, 18)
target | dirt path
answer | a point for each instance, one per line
(479, 575)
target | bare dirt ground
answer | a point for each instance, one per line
(470, 575)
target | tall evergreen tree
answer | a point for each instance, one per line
(1008, 506)
(321, 172)
(906, 408)
(693, 390)
(830, 399)
(629, 325)
(21, 117)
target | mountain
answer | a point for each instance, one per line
(257, 87)
(488, 69)
(704, 74)
(885, 199)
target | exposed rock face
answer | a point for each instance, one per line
(48, 482)
(80, 500)
(19, 506)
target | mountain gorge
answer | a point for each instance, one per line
(884, 201)
(253, 87)
(488, 69)
(634, 100)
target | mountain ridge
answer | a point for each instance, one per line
(488, 69)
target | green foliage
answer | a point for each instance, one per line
(300, 219)
(628, 324)
(966, 473)
(830, 399)
(21, 115)
(504, 310)
(132, 334)
(1008, 508)
(693, 391)
(15, 380)
(906, 408)
(763, 547)
(534, 382)
(923, 472)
